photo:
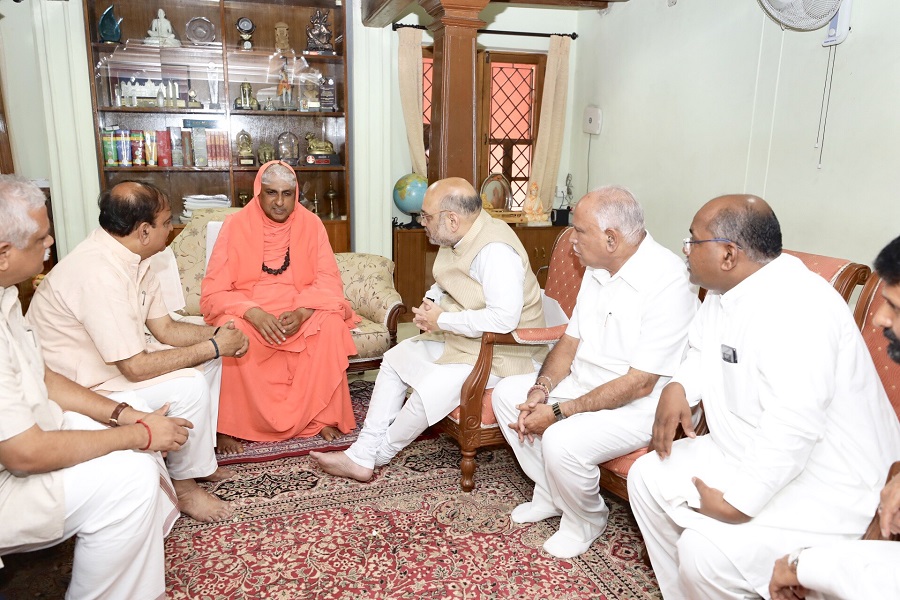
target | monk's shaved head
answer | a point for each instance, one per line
(746, 220)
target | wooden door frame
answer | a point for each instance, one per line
(6, 157)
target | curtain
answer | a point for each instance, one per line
(410, 76)
(545, 160)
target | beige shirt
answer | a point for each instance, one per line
(90, 312)
(32, 508)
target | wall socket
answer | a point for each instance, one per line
(592, 120)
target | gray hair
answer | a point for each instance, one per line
(18, 197)
(756, 231)
(461, 204)
(618, 209)
(278, 173)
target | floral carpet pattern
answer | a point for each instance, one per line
(409, 533)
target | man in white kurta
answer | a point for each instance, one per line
(484, 283)
(625, 339)
(857, 569)
(63, 474)
(796, 413)
(92, 312)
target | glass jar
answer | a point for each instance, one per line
(288, 148)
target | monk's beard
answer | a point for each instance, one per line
(893, 349)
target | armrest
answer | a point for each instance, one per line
(873, 532)
(539, 335)
(369, 286)
(470, 396)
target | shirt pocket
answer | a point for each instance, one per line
(741, 392)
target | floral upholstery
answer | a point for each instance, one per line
(368, 285)
(842, 274)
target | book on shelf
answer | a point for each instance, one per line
(107, 138)
(164, 148)
(199, 123)
(187, 147)
(177, 151)
(201, 151)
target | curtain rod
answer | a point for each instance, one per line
(574, 36)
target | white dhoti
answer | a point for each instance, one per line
(391, 424)
(120, 506)
(677, 537)
(563, 463)
(193, 395)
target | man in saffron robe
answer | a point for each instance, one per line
(273, 273)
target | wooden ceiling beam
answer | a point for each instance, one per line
(597, 4)
(381, 13)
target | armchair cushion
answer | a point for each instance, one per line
(487, 410)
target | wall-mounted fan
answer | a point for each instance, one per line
(808, 15)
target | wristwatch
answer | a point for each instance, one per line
(114, 417)
(557, 412)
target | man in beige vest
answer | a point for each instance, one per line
(482, 283)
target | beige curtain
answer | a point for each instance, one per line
(410, 76)
(545, 160)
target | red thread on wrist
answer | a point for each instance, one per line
(149, 435)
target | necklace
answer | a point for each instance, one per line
(287, 263)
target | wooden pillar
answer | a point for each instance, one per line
(453, 118)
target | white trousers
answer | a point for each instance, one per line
(686, 563)
(113, 507)
(194, 397)
(563, 463)
(392, 424)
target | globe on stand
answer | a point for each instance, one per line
(409, 192)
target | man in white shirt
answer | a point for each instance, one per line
(596, 393)
(856, 569)
(64, 474)
(795, 409)
(92, 312)
(483, 283)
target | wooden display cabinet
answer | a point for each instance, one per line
(414, 257)
(128, 75)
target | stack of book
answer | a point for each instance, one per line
(195, 201)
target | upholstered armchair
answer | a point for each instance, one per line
(473, 425)
(368, 285)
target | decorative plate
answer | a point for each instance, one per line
(496, 193)
(200, 30)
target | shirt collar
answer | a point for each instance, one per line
(637, 271)
(118, 250)
(9, 296)
(762, 278)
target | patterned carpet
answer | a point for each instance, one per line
(410, 533)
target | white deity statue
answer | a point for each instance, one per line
(160, 32)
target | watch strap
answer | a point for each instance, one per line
(557, 412)
(114, 417)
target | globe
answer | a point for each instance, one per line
(409, 191)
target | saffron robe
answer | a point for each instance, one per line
(277, 392)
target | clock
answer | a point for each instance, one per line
(245, 29)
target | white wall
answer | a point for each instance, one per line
(22, 94)
(710, 97)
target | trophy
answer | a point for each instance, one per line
(212, 79)
(245, 149)
(326, 94)
(320, 152)
(109, 27)
(246, 101)
(282, 43)
(245, 29)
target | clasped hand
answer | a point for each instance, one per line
(168, 433)
(427, 316)
(277, 330)
(231, 341)
(534, 417)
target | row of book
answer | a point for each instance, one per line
(171, 147)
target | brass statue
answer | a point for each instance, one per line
(318, 36)
(245, 149)
(246, 100)
(317, 146)
(265, 152)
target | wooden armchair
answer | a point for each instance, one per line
(473, 425)
(870, 300)
(840, 273)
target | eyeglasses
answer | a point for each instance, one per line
(686, 243)
(425, 218)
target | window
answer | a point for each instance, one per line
(509, 101)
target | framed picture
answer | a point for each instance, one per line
(495, 192)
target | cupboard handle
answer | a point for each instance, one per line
(543, 253)
(536, 255)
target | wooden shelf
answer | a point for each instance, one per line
(287, 113)
(298, 168)
(146, 168)
(166, 110)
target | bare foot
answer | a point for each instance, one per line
(330, 433)
(220, 474)
(339, 464)
(199, 504)
(225, 444)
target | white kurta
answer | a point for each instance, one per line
(436, 388)
(638, 319)
(800, 427)
(851, 570)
